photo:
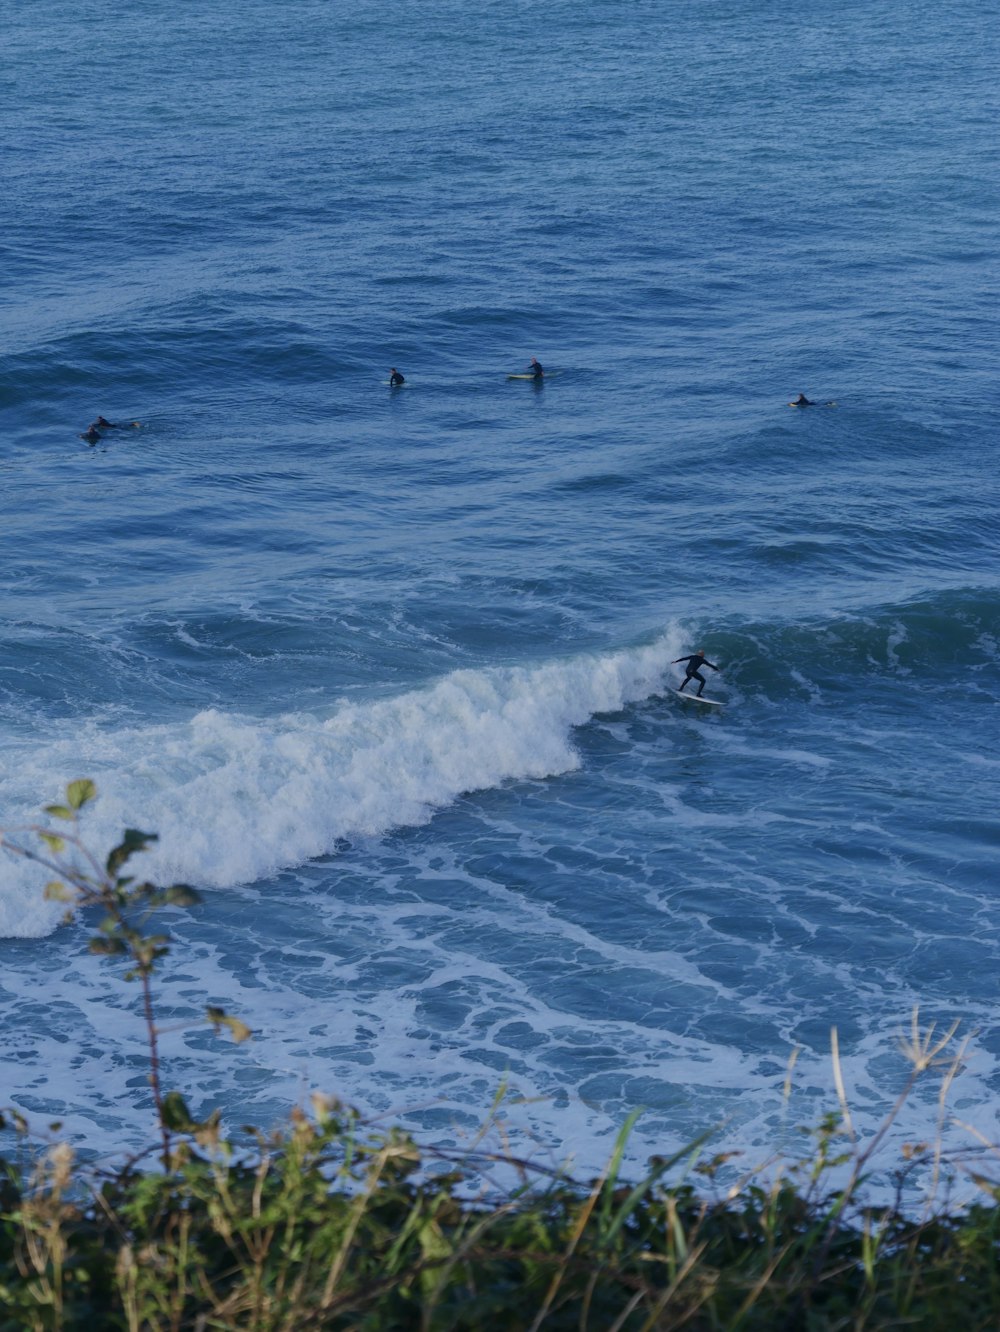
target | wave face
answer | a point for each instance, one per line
(390, 673)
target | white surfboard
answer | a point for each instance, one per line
(693, 698)
(548, 374)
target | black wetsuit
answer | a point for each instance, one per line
(395, 379)
(694, 664)
(92, 435)
(536, 370)
(802, 401)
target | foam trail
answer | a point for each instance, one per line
(235, 799)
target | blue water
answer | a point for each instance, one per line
(389, 671)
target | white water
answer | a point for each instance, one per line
(235, 799)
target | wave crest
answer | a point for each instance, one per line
(236, 799)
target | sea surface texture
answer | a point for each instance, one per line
(389, 671)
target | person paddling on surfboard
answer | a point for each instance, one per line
(802, 401)
(693, 667)
(102, 424)
(536, 370)
(395, 378)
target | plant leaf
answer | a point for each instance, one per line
(132, 840)
(181, 894)
(218, 1017)
(79, 792)
(176, 1114)
(107, 947)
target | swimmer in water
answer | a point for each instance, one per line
(93, 432)
(395, 378)
(692, 666)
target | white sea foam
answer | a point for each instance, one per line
(897, 636)
(235, 798)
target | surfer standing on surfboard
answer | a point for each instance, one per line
(694, 665)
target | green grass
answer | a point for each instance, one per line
(325, 1225)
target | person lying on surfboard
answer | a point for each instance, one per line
(694, 664)
(803, 401)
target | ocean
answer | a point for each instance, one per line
(389, 671)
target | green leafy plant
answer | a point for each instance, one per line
(127, 904)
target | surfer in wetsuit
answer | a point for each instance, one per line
(802, 401)
(693, 667)
(92, 434)
(395, 378)
(536, 370)
(102, 423)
